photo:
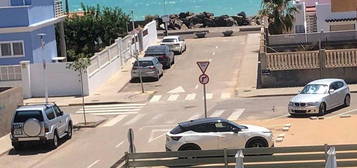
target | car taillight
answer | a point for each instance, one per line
(176, 138)
(163, 56)
(47, 129)
(151, 67)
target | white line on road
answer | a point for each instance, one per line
(95, 162)
(236, 114)
(196, 116)
(225, 95)
(210, 60)
(108, 111)
(119, 144)
(217, 113)
(351, 111)
(196, 87)
(191, 96)
(113, 105)
(173, 97)
(209, 96)
(216, 46)
(282, 116)
(114, 121)
(113, 113)
(214, 53)
(135, 119)
(157, 116)
(155, 98)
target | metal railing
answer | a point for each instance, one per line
(292, 60)
(282, 157)
(10, 73)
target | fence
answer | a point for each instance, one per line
(10, 73)
(282, 157)
(309, 59)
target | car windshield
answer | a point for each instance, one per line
(144, 63)
(22, 116)
(315, 89)
(169, 40)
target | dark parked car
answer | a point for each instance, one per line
(162, 53)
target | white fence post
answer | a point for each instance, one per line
(331, 158)
(26, 79)
(239, 159)
(120, 51)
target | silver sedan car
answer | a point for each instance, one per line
(149, 67)
(319, 96)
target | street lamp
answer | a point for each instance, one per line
(42, 42)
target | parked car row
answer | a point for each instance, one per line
(158, 57)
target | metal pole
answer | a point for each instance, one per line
(84, 110)
(204, 99)
(41, 35)
(140, 76)
(137, 54)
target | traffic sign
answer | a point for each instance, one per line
(204, 79)
(203, 65)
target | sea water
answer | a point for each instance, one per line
(142, 8)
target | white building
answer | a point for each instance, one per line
(320, 15)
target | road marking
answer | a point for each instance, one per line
(173, 97)
(114, 113)
(216, 46)
(217, 113)
(153, 137)
(282, 116)
(191, 96)
(111, 109)
(155, 98)
(209, 96)
(196, 87)
(119, 144)
(236, 114)
(351, 111)
(108, 111)
(196, 116)
(225, 95)
(135, 119)
(177, 90)
(214, 53)
(95, 162)
(210, 60)
(157, 116)
(114, 121)
(113, 105)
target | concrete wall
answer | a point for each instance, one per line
(50, 49)
(26, 38)
(291, 78)
(60, 80)
(9, 100)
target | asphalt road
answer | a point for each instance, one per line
(178, 98)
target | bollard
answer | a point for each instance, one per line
(239, 159)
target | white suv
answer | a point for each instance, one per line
(44, 123)
(216, 133)
(176, 43)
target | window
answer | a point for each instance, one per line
(224, 127)
(57, 110)
(340, 84)
(314, 89)
(50, 113)
(299, 29)
(8, 49)
(207, 127)
(342, 27)
(22, 116)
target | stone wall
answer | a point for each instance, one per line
(10, 98)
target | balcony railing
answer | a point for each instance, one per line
(58, 7)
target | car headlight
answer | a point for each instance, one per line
(313, 103)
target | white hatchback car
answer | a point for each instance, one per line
(319, 96)
(216, 133)
(176, 43)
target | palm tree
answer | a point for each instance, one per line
(280, 14)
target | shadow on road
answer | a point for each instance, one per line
(34, 148)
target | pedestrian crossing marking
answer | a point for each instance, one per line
(114, 121)
(173, 97)
(155, 98)
(217, 113)
(111, 109)
(196, 116)
(191, 96)
(225, 95)
(236, 114)
(209, 96)
(135, 119)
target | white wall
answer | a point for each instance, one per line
(61, 81)
(11, 83)
(151, 37)
(323, 12)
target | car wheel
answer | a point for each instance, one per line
(257, 143)
(347, 101)
(17, 145)
(168, 66)
(69, 131)
(54, 141)
(157, 78)
(173, 60)
(322, 109)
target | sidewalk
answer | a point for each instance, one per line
(108, 93)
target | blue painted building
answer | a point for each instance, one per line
(21, 22)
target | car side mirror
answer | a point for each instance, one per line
(331, 91)
(236, 130)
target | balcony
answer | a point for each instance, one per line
(58, 8)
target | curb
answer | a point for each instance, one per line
(7, 151)
(77, 126)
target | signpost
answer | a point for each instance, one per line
(204, 79)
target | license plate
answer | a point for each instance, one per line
(18, 132)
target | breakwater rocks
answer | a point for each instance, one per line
(188, 20)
